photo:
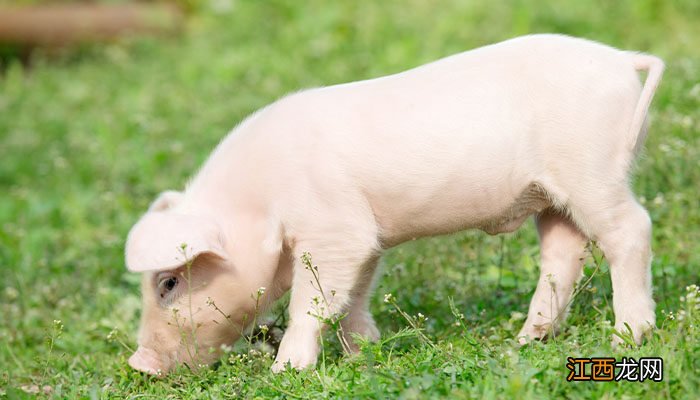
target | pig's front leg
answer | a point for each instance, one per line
(300, 343)
(339, 270)
(359, 321)
(562, 250)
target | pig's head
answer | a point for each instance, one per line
(194, 299)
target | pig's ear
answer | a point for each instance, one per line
(166, 200)
(164, 240)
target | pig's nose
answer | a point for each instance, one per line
(147, 360)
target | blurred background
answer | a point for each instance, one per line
(104, 104)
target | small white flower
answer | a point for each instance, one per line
(388, 298)
(686, 121)
(695, 91)
(11, 293)
(226, 348)
(659, 199)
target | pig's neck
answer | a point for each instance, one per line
(246, 233)
(231, 188)
(275, 287)
(282, 280)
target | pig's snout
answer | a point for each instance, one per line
(147, 360)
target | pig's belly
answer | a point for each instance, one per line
(444, 212)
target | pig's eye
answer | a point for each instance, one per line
(167, 284)
(170, 283)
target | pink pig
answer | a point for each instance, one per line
(543, 125)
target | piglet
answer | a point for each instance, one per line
(542, 125)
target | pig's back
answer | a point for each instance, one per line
(452, 144)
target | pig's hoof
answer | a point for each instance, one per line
(639, 331)
(279, 366)
(523, 340)
(368, 332)
(532, 332)
(296, 361)
(299, 349)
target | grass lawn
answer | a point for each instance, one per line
(88, 140)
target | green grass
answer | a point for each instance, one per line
(87, 141)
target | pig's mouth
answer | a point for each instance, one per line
(153, 363)
(148, 361)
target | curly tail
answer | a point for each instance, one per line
(655, 69)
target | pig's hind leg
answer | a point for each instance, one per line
(622, 229)
(562, 249)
